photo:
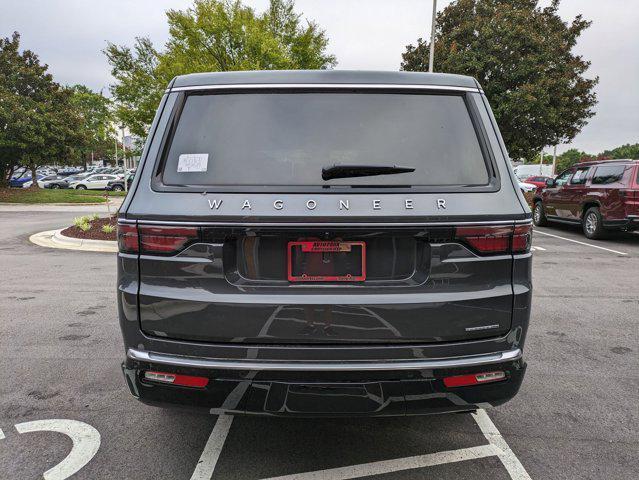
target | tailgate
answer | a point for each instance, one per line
(230, 284)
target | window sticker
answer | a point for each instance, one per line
(193, 162)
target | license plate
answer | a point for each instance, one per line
(326, 261)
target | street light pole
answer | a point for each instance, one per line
(123, 148)
(431, 56)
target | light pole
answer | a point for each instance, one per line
(123, 147)
(431, 57)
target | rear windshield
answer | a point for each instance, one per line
(285, 139)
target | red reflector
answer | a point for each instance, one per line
(474, 379)
(166, 239)
(128, 238)
(176, 379)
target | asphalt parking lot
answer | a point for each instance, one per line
(576, 416)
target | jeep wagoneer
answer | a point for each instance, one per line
(324, 243)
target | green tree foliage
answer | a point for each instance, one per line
(522, 56)
(625, 151)
(38, 123)
(212, 36)
(569, 158)
(97, 131)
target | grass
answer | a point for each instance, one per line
(43, 195)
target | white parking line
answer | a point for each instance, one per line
(1, 434)
(580, 243)
(535, 248)
(85, 438)
(497, 446)
(211, 453)
(389, 466)
(514, 467)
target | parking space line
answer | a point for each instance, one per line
(85, 439)
(389, 466)
(580, 243)
(211, 453)
(534, 248)
(1, 434)
(514, 467)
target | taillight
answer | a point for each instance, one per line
(522, 238)
(496, 239)
(161, 240)
(128, 238)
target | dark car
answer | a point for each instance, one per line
(601, 196)
(324, 243)
(118, 185)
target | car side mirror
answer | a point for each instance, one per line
(550, 182)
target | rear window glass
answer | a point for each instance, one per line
(285, 139)
(608, 174)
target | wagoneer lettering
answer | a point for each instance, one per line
(356, 235)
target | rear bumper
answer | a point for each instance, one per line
(326, 388)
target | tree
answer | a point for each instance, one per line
(625, 151)
(38, 123)
(97, 131)
(522, 56)
(212, 36)
(569, 158)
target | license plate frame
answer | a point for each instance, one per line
(323, 247)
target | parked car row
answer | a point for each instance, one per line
(602, 196)
(92, 179)
(49, 177)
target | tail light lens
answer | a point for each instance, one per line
(128, 238)
(160, 240)
(496, 239)
(522, 238)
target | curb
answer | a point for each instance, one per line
(55, 239)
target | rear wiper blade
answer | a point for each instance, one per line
(348, 171)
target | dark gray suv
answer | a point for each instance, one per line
(324, 243)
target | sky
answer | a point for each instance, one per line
(69, 36)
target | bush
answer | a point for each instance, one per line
(108, 228)
(95, 216)
(77, 221)
(85, 227)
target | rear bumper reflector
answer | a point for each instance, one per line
(176, 379)
(351, 366)
(474, 379)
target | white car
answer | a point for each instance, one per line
(44, 181)
(527, 187)
(93, 182)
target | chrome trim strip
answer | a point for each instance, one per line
(227, 364)
(374, 86)
(331, 224)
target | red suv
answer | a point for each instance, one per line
(601, 196)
